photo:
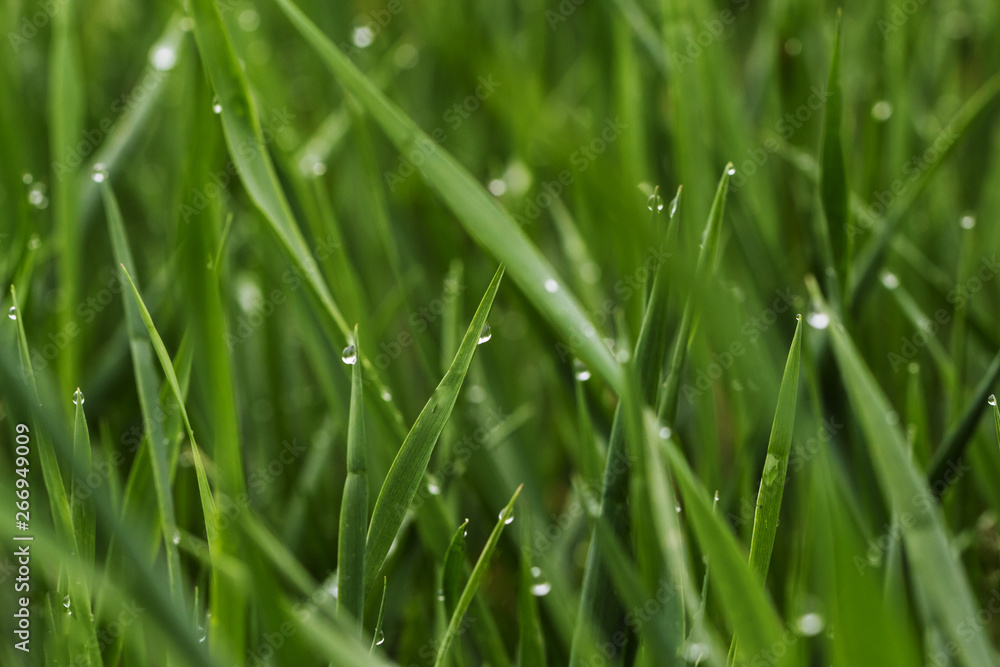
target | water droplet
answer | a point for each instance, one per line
(36, 196)
(350, 355)
(798, 317)
(66, 602)
(551, 286)
(770, 469)
(497, 187)
(536, 571)
(381, 638)
(386, 396)
(881, 111)
(27, 178)
(506, 521)
(992, 400)
(362, 37)
(655, 201)
(176, 538)
(216, 105)
(12, 313)
(678, 508)
(318, 168)
(967, 222)
(78, 397)
(541, 589)
(890, 280)
(666, 432)
(34, 243)
(731, 171)
(249, 20)
(433, 487)
(580, 371)
(440, 595)
(810, 624)
(163, 57)
(202, 635)
(485, 333)
(100, 173)
(695, 652)
(818, 320)
(716, 495)
(476, 394)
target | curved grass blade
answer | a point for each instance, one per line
(454, 568)
(506, 516)
(84, 523)
(480, 213)
(670, 393)
(930, 556)
(531, 638)
(242, 129)
(958, 437)
(772, 483)
(870, 258)
(743, 601)
(148, 388)
(354, 508)
(410, 464)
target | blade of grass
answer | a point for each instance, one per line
(772, 482)
(148, 391)
(354, 508)
(454, 569)
(478, 572)
(958, 437)
(931, 557)
(410, 464)
(484, 218)
(835, 247)
(670, 392)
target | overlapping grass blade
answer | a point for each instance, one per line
(479, 211)
(148, 387)
(834, 240)
(931, 558)
(410, 465)
(670, 392)
(742, 600)
(354, 508)
(772, 482)
(478, 572)
(959, 436)
(454, 569)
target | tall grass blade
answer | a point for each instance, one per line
(478, 572)
(410, 464)
(934, 566)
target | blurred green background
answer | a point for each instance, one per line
(569, 114)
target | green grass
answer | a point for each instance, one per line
(373, 333)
